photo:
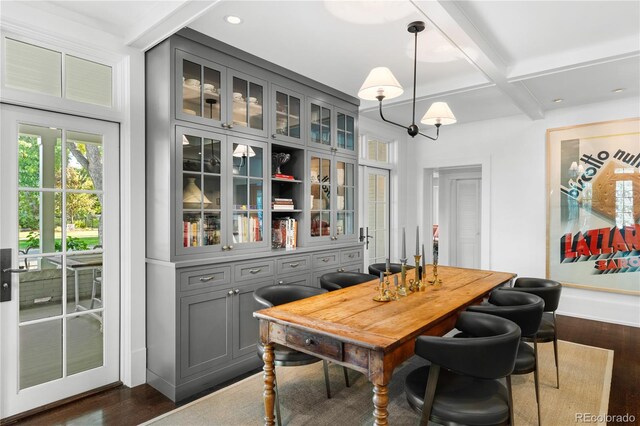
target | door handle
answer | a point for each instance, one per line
(364, 236)
(6, 277)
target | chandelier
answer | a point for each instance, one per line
(381, 84)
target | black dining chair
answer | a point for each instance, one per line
(550, 292)
(284, 356)
(463, 382)
(526, 311)
(377, 268)
(337, 280)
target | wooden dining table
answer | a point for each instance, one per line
(349, 328)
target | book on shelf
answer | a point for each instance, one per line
(248, 230)
(284, 233)
(283, 176)
(282, 204)
(191, 234)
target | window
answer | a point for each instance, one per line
(624, 203)
(36, 69)
(377, 151)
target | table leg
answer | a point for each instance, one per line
(269, 381)
(380, 403)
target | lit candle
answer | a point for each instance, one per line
(388, 265)
(404, 245)
(417, 240)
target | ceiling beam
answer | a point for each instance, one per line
(455, 26)
(160, 27)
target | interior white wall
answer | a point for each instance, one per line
(515, 149)
(55, 31)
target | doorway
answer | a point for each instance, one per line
(376, 214)
(457, 200)
(59, 234)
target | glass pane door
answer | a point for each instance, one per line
(320, 120)
(288, 113)
(345, 132)
(320, 197)
(248, 104)
(60, 195)
(377, 214)
(248, 193)
(201, 197)
(345, 198)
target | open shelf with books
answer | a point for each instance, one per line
(287, 195)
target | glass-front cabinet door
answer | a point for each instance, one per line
(346, 132)
(321, 178)
(287, 107)
(201, 95)
(248, 98)
(199, 192)
(248, 160)
(345, 199)
(320, 132)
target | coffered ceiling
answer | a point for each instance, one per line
(487, 59)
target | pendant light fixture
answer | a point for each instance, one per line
(381, 84)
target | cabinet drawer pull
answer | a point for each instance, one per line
(205, 279)
(294, 265)
(326, 259)
(255, 271)
(352, 255)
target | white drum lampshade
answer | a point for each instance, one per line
(438, 113)
(380, 82)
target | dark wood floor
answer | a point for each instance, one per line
(125, 406)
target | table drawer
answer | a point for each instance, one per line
(322, 260)
(292, 264)
(194, 279)
(252, 270)
(314, 343)
(351, 255)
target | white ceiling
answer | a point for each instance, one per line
(487, 59)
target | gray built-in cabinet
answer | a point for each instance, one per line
(215, 118)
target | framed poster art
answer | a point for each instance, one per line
(593, 205)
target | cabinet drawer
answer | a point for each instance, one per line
(351, 255)
(253, 270)
(321, 260)
(291, 264)
(314, 343)
(300, 279)
(194, 279)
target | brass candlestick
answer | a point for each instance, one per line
(437, 282)
(384, 294)
(403, 290)
(418, 285)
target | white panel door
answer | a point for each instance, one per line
(59, 229)
(466, 227)
(376, 217)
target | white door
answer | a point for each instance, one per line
(465, 197)
(59, 231)
(376, 217)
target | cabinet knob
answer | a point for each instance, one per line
(224, 125)
(229, 126)
(340, 270)
(236, 291)
(280, 282)
(230, 293)
(230, 248)
(225, 248)
(274, 136)
(308, 342)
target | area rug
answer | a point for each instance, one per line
(585, 379)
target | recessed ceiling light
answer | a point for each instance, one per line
(618, 90)
(558, 100)
(235, 20)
